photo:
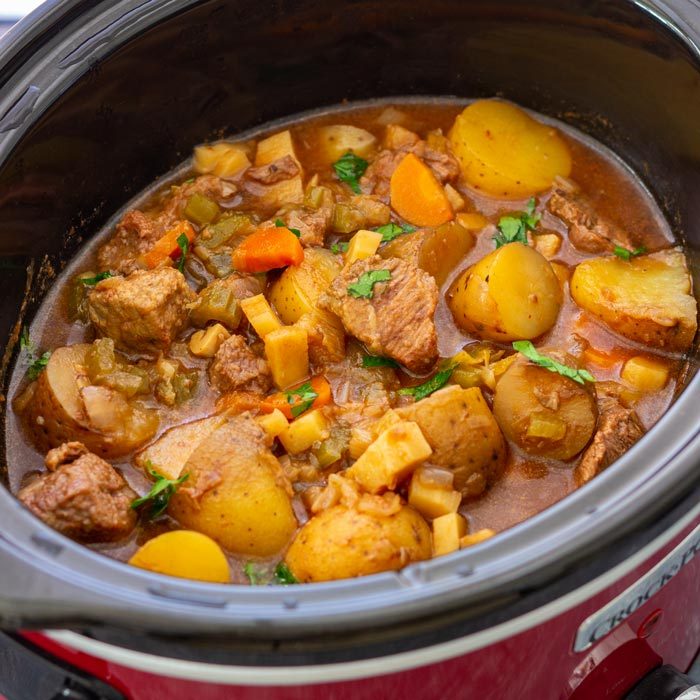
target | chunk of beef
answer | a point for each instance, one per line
(142, 312)
(397, 320)
(83, 497)
(280, 169)
(377, 177)
(588, 231)
(312, 224)
(361, 211)
(618, 429)
(237, 368)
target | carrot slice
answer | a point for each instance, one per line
(167, 246)
(416, 194)
(281, 400)
(268, 248)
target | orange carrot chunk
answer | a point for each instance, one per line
(417, 196)
(167, 246)
(268, 248)
(300, 398)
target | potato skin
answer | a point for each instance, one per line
(295, 292)
(235, 492)
(647, 299)
(464, 435)
(506, 153)
(56, 414)
(513, 293)
(342, 542)
(526, 391)
(437, 250)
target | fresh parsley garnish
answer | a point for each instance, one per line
(376, 361)
(92, 281)
(431, 386)
(338, 248)
(36, 364)
(525, 347)
(513, 229)
(391, 231)
(280, 224)
(283, 576)
(183, 243)
(364, 287)
(628, 254)
(160, 492)
(301, 399)
(350, 168)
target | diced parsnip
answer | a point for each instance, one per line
(472, 221)
(273, 423)
(430, 500)
(260, 315)
(456, 199)
(362, 245)
(448, 530)
(547, 244)
(222, 159)
(645, 374)
(274, 147)
(476, 537)
(306, 430)
(391, 458)
(336, 140)
(287, 351)
(206, 343)
(391, 115)
(185, 554)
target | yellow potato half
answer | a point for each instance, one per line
(343, 542)
(513, 293)
(184, 554)
(505, 153)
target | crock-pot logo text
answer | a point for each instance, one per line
(618, 610)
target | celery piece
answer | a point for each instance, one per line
(100, 359)
(201, 210)
(217, 303)
(124, 382)
(229, 224)
(347, 219)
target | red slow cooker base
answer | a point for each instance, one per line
(529, 661)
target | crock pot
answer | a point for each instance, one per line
(596, 597)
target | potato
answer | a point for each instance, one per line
(645, 374)
(296, 291)
(236, 492)
(343, 542)
(512, 293)
(544, 413)
(505, 153)
(336, 140)
(184, 554)
(647, 299)
(65, 406)
(286, 191)
(448, 530)
(463, 434)
(169, 454)
(287, 353)
(436, 250)
(222, 159)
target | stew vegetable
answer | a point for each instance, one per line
(369, 339)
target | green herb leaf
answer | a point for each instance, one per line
(283, 576)
(628, 254)
(513, 229)
(301, 399)
(38, 366)
(391, 231)
(350, 168)
(364, 287)
(338, 248)
(92, 281)
(280, 224)
(183, 243)
(254, 576)
(525, 347)
(375, 361)
(431, 386)
(160, 493)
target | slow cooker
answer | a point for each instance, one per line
(596, 597)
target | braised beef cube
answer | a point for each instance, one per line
(237, 368)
